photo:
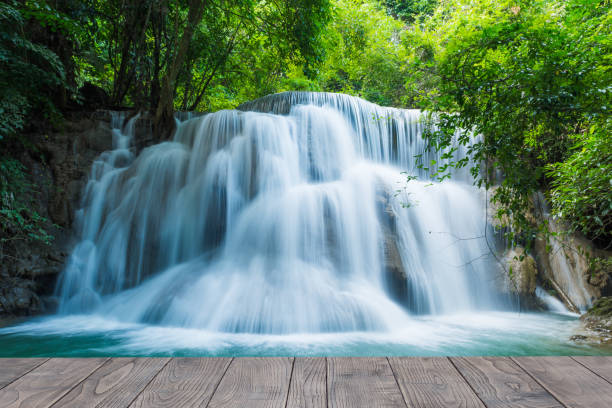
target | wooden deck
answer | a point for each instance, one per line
(307, 382)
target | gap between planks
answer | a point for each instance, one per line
(544, 371)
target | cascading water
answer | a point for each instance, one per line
(290, 216)
(285, 228)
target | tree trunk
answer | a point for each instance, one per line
(222, 60)
(164, 116)
(132, 39)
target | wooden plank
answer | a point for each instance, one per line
(43, 386)
(600, 365)
(362, 382)
(115, 384)
(308, 388)
(432, 382)
(569, 382)
(13, 368)
(184, 382)
(254, 382)
(500, 383)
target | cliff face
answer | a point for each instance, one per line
(57, 165)
(567, 262)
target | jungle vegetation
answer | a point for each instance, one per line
(533, 77)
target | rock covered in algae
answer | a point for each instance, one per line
(598, 320)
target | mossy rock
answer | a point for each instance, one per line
(598, 320)
(523, 272)
(602, 307)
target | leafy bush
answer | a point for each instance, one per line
(364, 54)
(29, 72)
(582, 185)
(30, 75)
(19, 221)
(527, 75)
(409, 10)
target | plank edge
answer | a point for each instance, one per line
(590, 369)
(45, 359)
(540, 383)
(397, 382)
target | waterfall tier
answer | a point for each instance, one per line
(288, 215)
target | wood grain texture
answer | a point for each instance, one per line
(13, 368)
(362, 382)
(113, 385)
(598, 364)
(569, 382)
(308, 388)
(184, 382)
(254, 383)
(47, 383)
(500, 383)
(432, 382)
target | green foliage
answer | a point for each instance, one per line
(410, 10)
(29, 72)
(237, 49)
(364, 54)
(600, 268)
(602, 307)
(531, 77)
(582, 185)
(191, 55)
(32, 77)
(19, 221)
(526, 76)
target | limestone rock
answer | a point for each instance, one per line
(99, 138)
(397, 279)
(598, 320)
(58, 167)
(17, 297)
(565, 260)
(523, 272)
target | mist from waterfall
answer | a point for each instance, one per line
(290, 215)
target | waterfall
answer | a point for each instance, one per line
(291, 214)
(552, 303)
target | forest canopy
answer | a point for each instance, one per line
(532, 77)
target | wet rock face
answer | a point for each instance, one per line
(17, 296)
(71, 153)
(565, 260)
(519, 278)
(562, 262)
(602, 308)
(523, 273)
(397, 279)
(599, 275)
(28, 270)
(597, 322)
(396, 275)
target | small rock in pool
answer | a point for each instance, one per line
(578, 337)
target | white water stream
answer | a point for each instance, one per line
(284, 228)
(279, 223)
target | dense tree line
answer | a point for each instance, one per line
(532, 77)
(151, 55)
